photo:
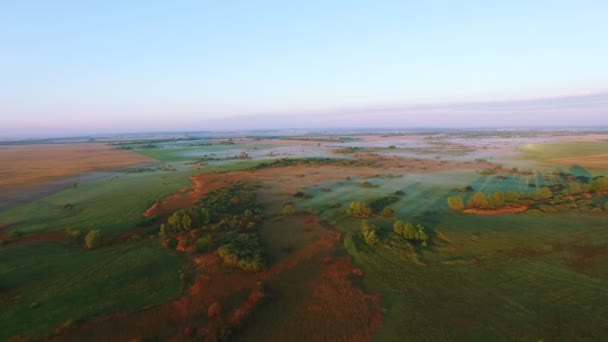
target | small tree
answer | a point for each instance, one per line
(204, 217)
(359, 210)
(164, 234)
(388, 212)
(369, 232)
(288, 209)
(479, 200)
(203, 244)
(405, 229)
(575, 188)
(456, 203)
(92, 239)
(545, 193)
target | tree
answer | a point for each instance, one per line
(204, 217)
(512, 197)
(479, 200)
(369, 232)
(288, 209)
(599, 184)
(371, 238)
(186, 222)
(545, 193)
(405, 229)
(203, 244)
(497, 199)
(421, 234)
(575, 188)
(164, 234)
(359, 210)
(180, 220)
(456, 203)
(388, 212)
(92, 238)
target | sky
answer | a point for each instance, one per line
(80, 67)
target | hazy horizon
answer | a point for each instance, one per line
(75, 69)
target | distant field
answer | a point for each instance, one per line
(537, 275)
(566, 149)
(35, 164)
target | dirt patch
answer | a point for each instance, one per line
(501, 211)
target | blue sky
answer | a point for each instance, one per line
(92, 66)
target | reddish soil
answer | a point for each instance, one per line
(219, 301)
(501, 211)
(54, 237)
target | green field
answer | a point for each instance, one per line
(566, 149)
(44, 285)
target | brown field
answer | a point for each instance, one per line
(37, 164)
(594, 161)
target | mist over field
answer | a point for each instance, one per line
(303, 171)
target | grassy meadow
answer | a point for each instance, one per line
(480, 278)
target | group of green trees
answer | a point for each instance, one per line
(242, 250)
(402, 229)
(359, 210)
(369, 232)
(410, 232)
(557, 194)
(92, 239)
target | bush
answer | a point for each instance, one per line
(92, 239)
(456, 203)
(203, 244)
(606, 206)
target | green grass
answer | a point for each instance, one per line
(43, 285)
(476, 293)
(112, 205)
(178, 153)
(566, 149)
(474, 288)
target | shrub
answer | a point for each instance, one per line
(606, 206)
(456, 203)
(92, 239)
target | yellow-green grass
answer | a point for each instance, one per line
(111, 205)
(566, 149)
(43, 285)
